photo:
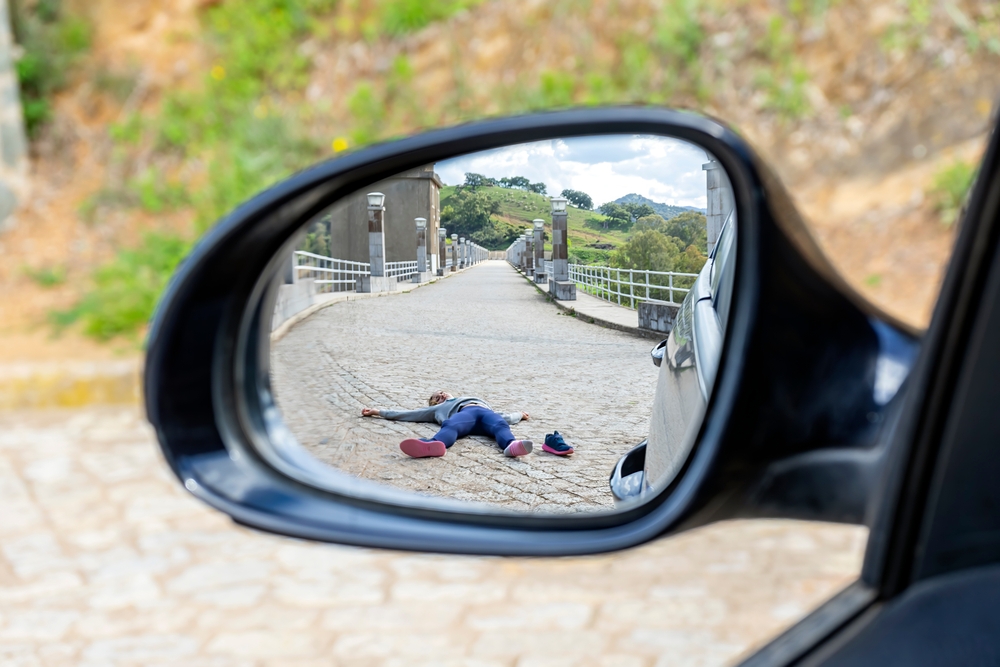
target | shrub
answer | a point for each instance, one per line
(53, 41)
(949, 189)
(126, 289)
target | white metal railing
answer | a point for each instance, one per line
(331, 274)
(400, 270)
(630, 286)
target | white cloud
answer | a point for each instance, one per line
(605, 167)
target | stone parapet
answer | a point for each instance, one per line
(657, 316)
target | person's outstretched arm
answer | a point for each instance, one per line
(418, 415)
(514, 417)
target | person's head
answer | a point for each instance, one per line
(438, 397)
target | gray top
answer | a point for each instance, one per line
(442, 411)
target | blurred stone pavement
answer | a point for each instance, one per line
(107, 561)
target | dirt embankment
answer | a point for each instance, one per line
(878, 122)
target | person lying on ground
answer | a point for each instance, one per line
(458, 417)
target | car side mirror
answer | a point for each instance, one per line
(778, 378)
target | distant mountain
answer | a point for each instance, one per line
(666, 211)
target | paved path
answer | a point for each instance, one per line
(589, 306)
(106, 561)
(484, 332)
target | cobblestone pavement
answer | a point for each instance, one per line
(484, 332)
(106, 561)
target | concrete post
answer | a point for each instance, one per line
(422, 274)
(461, 252)
(529, 256)
(14, 168)
(442, 250)
(720, 201)
(559, 285)
(421, 224)
(376, 282)
(454, 252)
(539, 246)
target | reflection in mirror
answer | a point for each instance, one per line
(479, 329)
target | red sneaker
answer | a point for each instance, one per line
(419, 449)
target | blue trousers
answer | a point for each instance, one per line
(475, 421)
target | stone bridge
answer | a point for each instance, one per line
(487, 332)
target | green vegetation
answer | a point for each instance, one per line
(980, 28)
(398, 17)
(47, 277)
(53, 41)
(784, 79)
(234, 124)
(667, 67)
(517, 209)
(126, 290)
(949, 189)
(679, 244)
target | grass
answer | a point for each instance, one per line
(520, 208)
(47, 276)
(949, 188)
(126, 290)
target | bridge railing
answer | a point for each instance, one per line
(629, 287)
(400, 270)
(330, 274)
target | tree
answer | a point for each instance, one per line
(690, 227)
(616, 213)
(578, 199)
(648, 251)
(478, 180)
(538, 188)
(515, 182)
(636, 211)
(469, 213)
(654, 222)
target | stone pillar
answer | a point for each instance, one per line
(539, 247)
(461, 253)
(423, 273)
(529, 256)
(720, 201)
(14, 171)
(376, 282)
(442, 250)
(559, 285)
(454, 252)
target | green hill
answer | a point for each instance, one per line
(519, 208)
(665, 211)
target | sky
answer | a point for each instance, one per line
(605, 167)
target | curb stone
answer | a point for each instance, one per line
(70, 384)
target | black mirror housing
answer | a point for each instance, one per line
(792, 427)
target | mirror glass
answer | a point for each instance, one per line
(534, 328)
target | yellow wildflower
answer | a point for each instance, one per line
(339, 145)
(218, 72)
